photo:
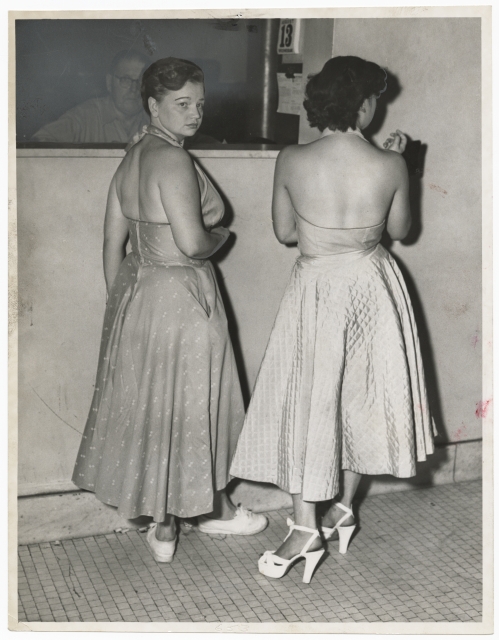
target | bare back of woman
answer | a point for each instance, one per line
(149, 168)
(341, 181)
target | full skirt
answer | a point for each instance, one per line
(341, 385)
(167, 408)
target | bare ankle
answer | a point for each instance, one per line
(223, 509)
(166, 532)
(336, 514)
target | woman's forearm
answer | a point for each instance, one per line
(289, 238)
(205, 244)
(286, 234)
(113, 257)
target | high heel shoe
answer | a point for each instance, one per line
(162, 550)
(344, 533)
(273, 566)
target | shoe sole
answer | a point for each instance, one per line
(165, 559)
(218, 532)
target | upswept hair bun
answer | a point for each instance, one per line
(334, 96)
(167, 74)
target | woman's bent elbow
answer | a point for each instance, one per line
(286, 238)
(191, 251)
(192, 248)
(400, 233)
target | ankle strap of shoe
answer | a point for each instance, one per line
(343, 508)
(299, 527)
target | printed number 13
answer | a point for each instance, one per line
(286, 35)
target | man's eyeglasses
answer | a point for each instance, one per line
(126, 82)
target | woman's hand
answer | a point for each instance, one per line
(212, 218)
(396, 142)
(222, 232)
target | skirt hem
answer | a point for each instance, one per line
(126, 516)
(400, 475)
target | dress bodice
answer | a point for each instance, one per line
(314, 240)
(153, 241)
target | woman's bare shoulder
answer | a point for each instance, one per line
(394, 161)
(159, 149)
(161, 158)
(289, 155)
(387, 156)
(390, 166)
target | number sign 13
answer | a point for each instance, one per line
(289, 36)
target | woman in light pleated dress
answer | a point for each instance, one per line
(341, 388)
(167, 408)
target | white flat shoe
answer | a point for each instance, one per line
(244, 523)
(273, 566)
(344, 533)
(162, 551)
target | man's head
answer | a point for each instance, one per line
(123, 81)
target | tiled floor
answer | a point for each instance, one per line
(416, 558)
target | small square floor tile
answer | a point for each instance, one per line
(396, 569)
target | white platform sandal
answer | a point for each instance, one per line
(344, 533)
(273, 566)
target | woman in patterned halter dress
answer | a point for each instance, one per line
(341, 387)
(167, 408)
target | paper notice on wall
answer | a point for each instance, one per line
(290, 93)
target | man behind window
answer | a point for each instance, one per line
(112, 118)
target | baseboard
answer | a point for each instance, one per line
(75, 514)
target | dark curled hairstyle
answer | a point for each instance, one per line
(167, 74)
(334, 96)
